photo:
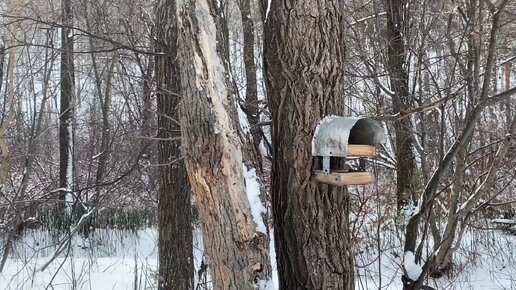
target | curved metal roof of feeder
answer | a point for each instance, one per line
(334, 133)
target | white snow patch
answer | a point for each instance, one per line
(503, 221)
(470, 199)
(252, 189)
(111, 259)
(263, 149)
(145, 178)
(410, 210)
(413, 270)
(242, 118)
(198, 255)
(69, 199)
(272, 256)
(265, 285)
(268, 9)
(97, 155)
(367, 18)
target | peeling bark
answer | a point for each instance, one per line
(212, 149)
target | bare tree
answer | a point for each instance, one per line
(66, 155)
(397, 16)
(459, 213)
(252, 105)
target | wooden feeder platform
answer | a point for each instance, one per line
(361, 150)
(344, 177)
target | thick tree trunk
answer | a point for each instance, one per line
(237, 253)
(175, 216)
(66, 106)
(304, 62)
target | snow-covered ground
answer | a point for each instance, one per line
(80, 273)
(115, 259)
(486, 259)
(112, 259)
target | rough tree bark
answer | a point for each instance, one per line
(66, 106)
(212, 150)
(146, 65)
(175, 216)
(401, 101)
(251, 89)
(304, 63)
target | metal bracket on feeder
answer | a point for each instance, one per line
(342, 137)
(326, 164)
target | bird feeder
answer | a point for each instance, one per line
(344, 137)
